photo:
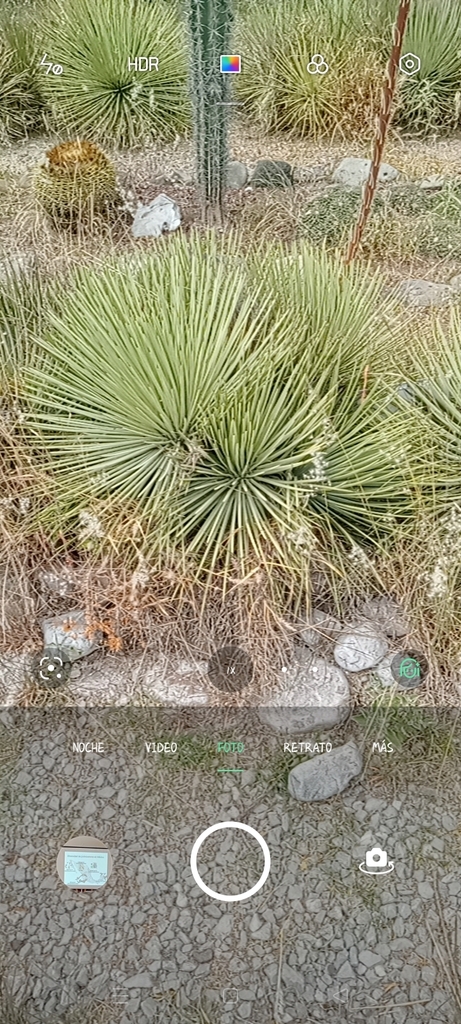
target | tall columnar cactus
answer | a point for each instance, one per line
(210, 25)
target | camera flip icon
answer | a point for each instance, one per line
(376, 862)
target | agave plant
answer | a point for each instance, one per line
(21, 103)
(175, 330)
(23, 299)
(276, 83)
(103, 94)
(339, 317)
(431, 98)
(434, 397)
(179, 387)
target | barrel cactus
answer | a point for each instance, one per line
(75, 182)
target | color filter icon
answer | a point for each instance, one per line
(230, 64)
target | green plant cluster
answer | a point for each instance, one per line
(354, 36)
(406, 219)
(100, 94)
(227, 413)
(21, 101)
(101, 97)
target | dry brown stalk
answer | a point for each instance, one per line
(384, 121)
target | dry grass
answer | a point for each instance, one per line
(410, 571)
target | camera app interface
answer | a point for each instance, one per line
(230, 869)
(230, 511)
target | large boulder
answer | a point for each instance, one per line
(176, 684)
(312, 694)
(325, 775)
(353, 172)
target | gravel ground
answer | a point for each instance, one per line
(319, 941)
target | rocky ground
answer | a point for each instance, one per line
(326, 663)
(27, 239)
(320, 940)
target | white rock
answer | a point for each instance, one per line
(150, 221)
(353, 172)
(455, 284)
(434, 181)
(70, 632)
(113, 680)
(312, 694)
(181, 684)
(59, 581)
(420, 293)
(359, 649)
(325, 775)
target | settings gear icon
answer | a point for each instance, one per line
(409, 64)
(318, 65)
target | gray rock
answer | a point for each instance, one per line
(386, 614)
(178, 683)
(325, 775)
(203, 956)
(346, 972)
(237, 174)
(359, 649)
(383, 671)
(419, 293)
(149, 1007)
(294, 980)
(321, 627)
(143, 980)
(272, 174)
(353, 172)
(455, 284)
(150, 221)
(312, 694)
(224, 925)
(368, 958)
(70, 632)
